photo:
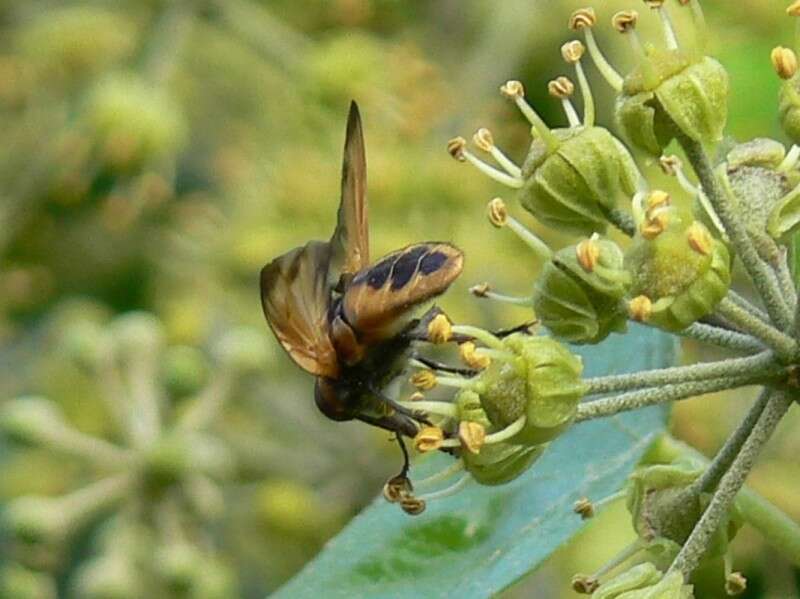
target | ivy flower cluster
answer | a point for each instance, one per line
(157, 487)
(737, 204)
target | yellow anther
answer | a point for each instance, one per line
(784, 61)
(573, 51)
(700, 239)
(654, 3)
(483, 139)
(654, 225)
(429, 438)
(640, 308)
(584, 585)
(657, 199)
(471, 357)
(480, 290)
(583, 17)
(396, 488)
(735, 583)
(412, 506)
(455, 147)
(423, 379)
(793, 10)
(416, 396)
(439, 329)
(670, 165)
(561, 87)
(588, 253)
(512, 89)
(497, 212)
(584, 508)
(625, 20)
(472, 435)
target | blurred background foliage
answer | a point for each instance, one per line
(156, 153)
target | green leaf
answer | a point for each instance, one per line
(482, 539)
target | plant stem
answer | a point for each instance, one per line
(722, 200)
(705, 333)
(725, 456)
(654, 395)
(778, 529)
(680, 374)
(784, 346)
(696, 545)
(745, 304)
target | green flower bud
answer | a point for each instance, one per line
(28, 419)
(291, 508)
(134, 121)
(179, 564)
(86, 342)
(540, 380)
(177, 455)
(243, 349)
(184, 370)
(497, 463)
(574, 186)
(578, 293)
(664, 513)
(680, 272)
(111, 576)
(670, 94)
(644, 581)
(20, 583)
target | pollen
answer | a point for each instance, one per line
(657, 199)
(472, 436)
(497, 212)
(793, 10)
(470, 357)
(429, 438)
(784, 61)
(573, 51)
(483, 139)
(440, 330)
(654, 226)
(640, 308)
(625, 20)
(561, 87)
(582, 18)
(700, 239)
(588, 254)
(455, 147)
(423, 380)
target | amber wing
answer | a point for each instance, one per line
(350, 241)
(380, 294)
(295, 295)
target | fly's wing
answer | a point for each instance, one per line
(295, 296)
(380, 295)
(350, 241)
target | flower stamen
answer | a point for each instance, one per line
(584, 19)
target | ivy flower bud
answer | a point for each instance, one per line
(680, 272)
(540, 382)
(665, 511)
(496, 463)
(578, 295)
(574, 186)
(28, 419)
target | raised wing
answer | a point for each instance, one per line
(350, 241)
(295, 296)
(380, 295)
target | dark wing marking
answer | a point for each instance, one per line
(350, 241)
(379, 295)
(295, 296)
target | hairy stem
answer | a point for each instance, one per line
(745, 304)
(680, 374)
(632, 400)
(725, 456)
(711, 335)
(784, 346)
(778, 529)
(722, 200)
(622, 221)
(696, 545)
